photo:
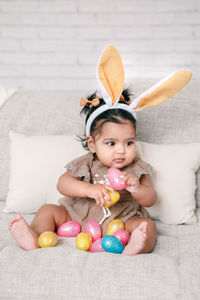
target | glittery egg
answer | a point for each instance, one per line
(114, 177)
(111, 244)
(83, 241)
(96, 246)
(93, 229)
(47, 239)
(113, 226)
(69, 229)
(114, 198)
(122, 235)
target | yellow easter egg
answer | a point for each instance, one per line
(83, 241)
(114, 199)
(47, 239)
(113, 226)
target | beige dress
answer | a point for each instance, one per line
(92, 170)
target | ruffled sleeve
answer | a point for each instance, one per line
(139, 168)
(81, 166)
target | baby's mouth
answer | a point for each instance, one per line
(119, 160)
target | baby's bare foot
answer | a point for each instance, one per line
(22, 233)
(137, 240)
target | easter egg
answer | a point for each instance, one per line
(69, 229)
(96, 246)
(115, 180)
(83, 241)
(114, 198)
(113, 226)
(111, 244)
(93, 229)
(122, 235)
(47, 239)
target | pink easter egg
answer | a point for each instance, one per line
(122, 235)
(69, 229)
(115, 179)
(96, 246)
(93, 229)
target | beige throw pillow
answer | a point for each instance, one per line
(38, 161)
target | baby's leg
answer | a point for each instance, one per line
(48, 218)
(143, 236)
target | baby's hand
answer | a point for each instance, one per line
(132, 182)
(99, 192)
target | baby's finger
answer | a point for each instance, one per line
(124, 177)
(101, 199)
(106, 197)
(98, 199)
(102, 202)
(109, 188)
(97, 202)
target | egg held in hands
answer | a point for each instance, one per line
(115, 179)
(114, 198)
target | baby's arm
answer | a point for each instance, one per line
(70, 186)
(141, 190)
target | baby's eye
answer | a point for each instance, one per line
(129, 143)
(111, 143)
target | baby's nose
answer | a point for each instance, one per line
(120, 148)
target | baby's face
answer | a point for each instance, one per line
(115, 146)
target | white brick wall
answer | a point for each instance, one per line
(55, 44)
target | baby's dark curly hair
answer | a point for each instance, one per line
(112, 115)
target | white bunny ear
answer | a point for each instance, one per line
(163, 90)
(110, 74)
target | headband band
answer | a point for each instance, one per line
(104, 108)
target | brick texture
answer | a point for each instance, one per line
(55, 44)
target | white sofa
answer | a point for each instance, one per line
(171, 271)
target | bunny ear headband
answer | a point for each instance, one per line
(110, 75)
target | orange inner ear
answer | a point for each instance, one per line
(165, 90)
(111, 72)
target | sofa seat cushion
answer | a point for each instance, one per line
(166, 273)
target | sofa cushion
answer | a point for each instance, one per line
(171, 271)
(36, 164)
(36, 113)
(174, 180)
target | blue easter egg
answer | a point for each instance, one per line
(111, 244)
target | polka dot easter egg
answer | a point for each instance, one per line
(114, 198)
(115, 180)
(122, 235)
(111, 244)
(96, 246)
(47, 239)
(83, 241)
(113, 226)
(69, 229)
(93, 229)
